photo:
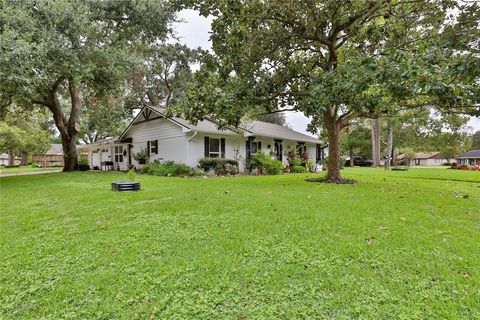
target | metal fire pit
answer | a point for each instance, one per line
(125, 186)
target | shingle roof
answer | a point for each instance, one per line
(272, 130)
(470, 154)
(422, 155)
(255, 128)
(206, 125)
(55, 149)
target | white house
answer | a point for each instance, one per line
(175, 139)
(424, 159)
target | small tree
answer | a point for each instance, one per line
(408, 155)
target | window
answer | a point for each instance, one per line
(153, 147)
(214, 147)
(417, 162)
(118, 151)
(256, 147)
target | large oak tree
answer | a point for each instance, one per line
(58, 51)
(333, 60)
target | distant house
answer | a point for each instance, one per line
(167, 138)
(470, 158)
(4, 159)
(52, 157)
(423, 159)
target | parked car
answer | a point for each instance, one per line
(359, 162)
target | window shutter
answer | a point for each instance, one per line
(156, 146)
(222, 147)
(248, 150)
(259, 146)
(207, 146)
(148, 147)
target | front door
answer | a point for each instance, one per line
(119, 157)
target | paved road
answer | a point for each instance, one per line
(28, 173)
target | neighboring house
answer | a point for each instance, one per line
(471, 158)
(52, 157)
(4, 160)
(423, 159)
(175, 139)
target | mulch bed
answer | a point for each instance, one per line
(336, 181)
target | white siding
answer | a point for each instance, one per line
(234, 148)
(172, 141)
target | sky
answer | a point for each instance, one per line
(194, 31)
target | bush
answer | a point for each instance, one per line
(447, 164)
(219, 166)
(83, 164)
(265, 164)
(298, 169)
(170, 169)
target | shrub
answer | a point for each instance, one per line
(141, 156)
(298, 169)
(219, 166)
(83, 164)
(265, 164)
(169, 169)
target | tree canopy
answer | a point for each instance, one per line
(333, 60)
(57, 53)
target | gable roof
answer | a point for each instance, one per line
(254, 128)
(206, 125)
(470, 154)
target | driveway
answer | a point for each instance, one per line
(28, 173)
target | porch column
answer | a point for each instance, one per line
(279, 149)
(318, 156)
(249, 148)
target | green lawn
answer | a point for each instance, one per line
(398, 245)
(25, 169)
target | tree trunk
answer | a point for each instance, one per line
(11, 157)
(69, 152)
(68, 128)
(333, 131)
(24, 158)
(376, 142)
(389, 149)
(352, 163)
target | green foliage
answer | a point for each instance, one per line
(66, 55)
(277, 118)
(476, 141)
(298, 169)
(169, 169)
(83, 162)
(357, 139)
(220, 166)
(408, 155)
(131, 175)
(265, 164)
(341, 60)
(141, 155)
